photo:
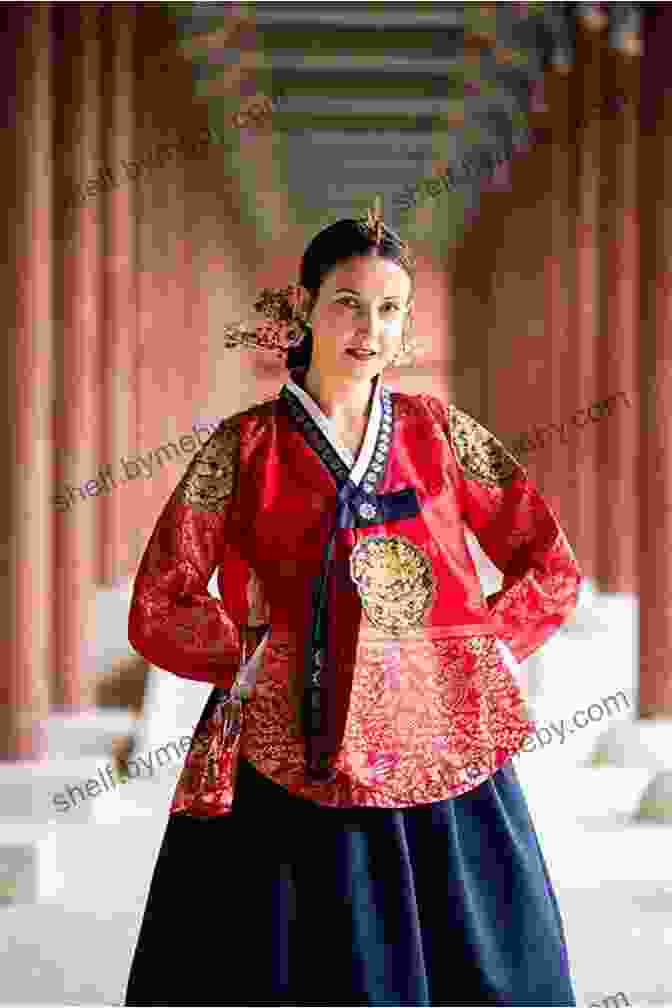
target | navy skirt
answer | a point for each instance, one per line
(284, 902)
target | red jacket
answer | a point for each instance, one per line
(420, 704)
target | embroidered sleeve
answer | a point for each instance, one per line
(174, 622)
(517, 529)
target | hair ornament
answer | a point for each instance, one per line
(375, 226)
(374, 221)
(285, 312)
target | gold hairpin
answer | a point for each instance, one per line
(374, 221)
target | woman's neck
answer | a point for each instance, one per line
(336, 397)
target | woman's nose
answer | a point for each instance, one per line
(365, 320)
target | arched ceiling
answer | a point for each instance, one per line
(373, 97)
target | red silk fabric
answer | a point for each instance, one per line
(425, 704)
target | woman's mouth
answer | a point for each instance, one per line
(360, 354)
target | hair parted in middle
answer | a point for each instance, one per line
(337, 243)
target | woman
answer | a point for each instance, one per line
(348, 828)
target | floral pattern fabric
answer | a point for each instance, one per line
(428, 705)
(428, 719)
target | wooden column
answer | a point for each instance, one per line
(618, 546)
(655, 471)
(560, 485)
(26, 509)
(530, 352)
(119, 325)
(585, 323)
(651, 741)
(78, 420)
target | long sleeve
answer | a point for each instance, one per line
(174, 622)
(517, 530)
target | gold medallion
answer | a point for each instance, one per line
(395, 582)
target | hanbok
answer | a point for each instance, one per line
(348, 828)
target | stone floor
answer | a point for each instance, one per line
(613, 881)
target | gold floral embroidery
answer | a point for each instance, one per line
(482, 456)
(209, 479)
(428, 720)
(395, 582)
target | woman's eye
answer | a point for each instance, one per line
(391, 309)
(350, 302)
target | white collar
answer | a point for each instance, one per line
(356, 467)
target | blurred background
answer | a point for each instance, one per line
(164, 162)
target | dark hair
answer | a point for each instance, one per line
(333, 245)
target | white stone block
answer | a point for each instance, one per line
(646, 743)
(18, 873)
(31, 791)
(87, 732)
(28, 872)
(656, 802)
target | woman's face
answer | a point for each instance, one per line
(358, 318)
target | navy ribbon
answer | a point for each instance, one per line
(354, 507)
